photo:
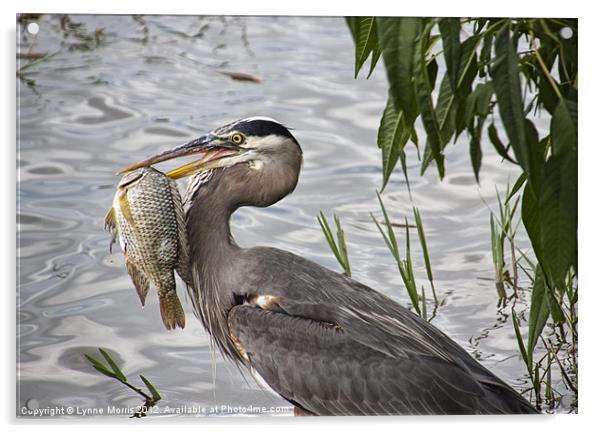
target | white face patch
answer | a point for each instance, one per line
(263, 142)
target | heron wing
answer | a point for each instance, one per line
(376, 328)
(318, 367)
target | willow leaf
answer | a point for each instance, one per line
(564, 128)
(367, 41)
(476, 155)
(425, 103)
(392, 137)
(397, 38)
(531, 220)
(506, 82)
(558, 215)
(452, 49)
(497, 143)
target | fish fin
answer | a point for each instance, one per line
(139, 279)
(111, 226)
(183, 265)
(172, 312)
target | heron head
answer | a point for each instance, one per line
(255, 149)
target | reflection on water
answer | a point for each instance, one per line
(150, 83)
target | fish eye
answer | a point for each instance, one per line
(237, 138)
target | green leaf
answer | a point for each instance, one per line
(409, 272)
(151, 388)
(392, 240)
(537, 152)
(531, 220)
(555, 310)
(519, 339)
(374, 61)
(367, 41)
(476, 154)
(425, 103)
(422, 237)
(539, 312)
(99, 366)
(517, 186)
(423, 303)
(468, 63)
(558, 215)
(484, 92)
(506, 82)
(331, 241)
(497, 143)
(118, 373)
(342, 246)
(432, 69)
(485, 55)
(397, 39)
(446, 111)
(564, 128)
(468, 71)
(452, 48)
(392, 137)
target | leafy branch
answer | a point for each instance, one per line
(499, 73)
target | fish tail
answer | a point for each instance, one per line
(172, 312)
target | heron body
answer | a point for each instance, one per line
(326, 343)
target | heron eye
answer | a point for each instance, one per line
(237, 138)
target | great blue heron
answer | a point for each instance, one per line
(326, 343)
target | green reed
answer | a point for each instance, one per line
(113, 371)
(338, 246)
(404, 265)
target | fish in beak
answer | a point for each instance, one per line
(215, 150)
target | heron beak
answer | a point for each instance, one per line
(214, 149)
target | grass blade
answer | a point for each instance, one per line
(151, 388)
(338, 249)
(521, 344)
(539, 313)
(118, 373)
(342, 246)
(100, 367)
(425, 251)
(392, 240)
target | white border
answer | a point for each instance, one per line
(589, 192)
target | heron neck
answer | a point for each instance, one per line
(209, 229)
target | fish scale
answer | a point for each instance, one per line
(147, 216)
